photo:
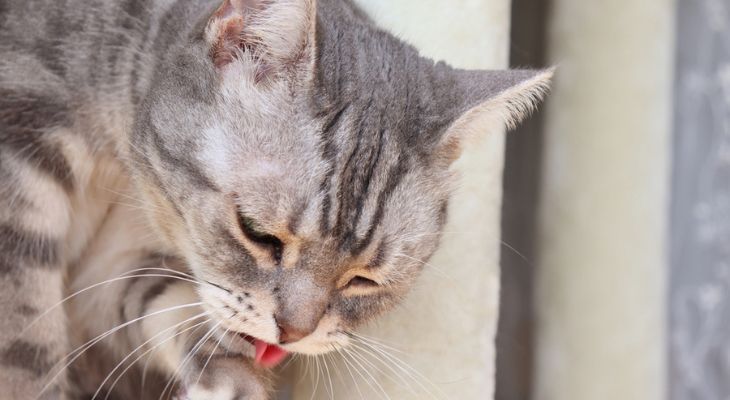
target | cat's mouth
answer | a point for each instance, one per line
(267, 355)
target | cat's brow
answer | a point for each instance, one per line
(379, 257)
(295, 219)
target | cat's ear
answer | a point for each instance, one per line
(481, 101)
(274, 34)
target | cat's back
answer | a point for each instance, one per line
(66, 37)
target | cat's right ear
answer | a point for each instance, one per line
(274, 35)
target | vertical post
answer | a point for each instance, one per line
(602, 272)
(448, 325)
(522, 173)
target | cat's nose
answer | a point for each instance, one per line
(289, 333)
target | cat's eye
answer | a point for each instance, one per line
(251, 230)
(362, 283)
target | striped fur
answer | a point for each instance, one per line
(228, 168)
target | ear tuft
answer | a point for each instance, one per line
(493, 100)
(517, 103)
(272, 32)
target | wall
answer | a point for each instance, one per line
(447, 327)
(602, 270)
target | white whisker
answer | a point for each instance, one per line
(111, 388)
(202, 370)
(354, 358)
(188, 357)
(329, 378)
(101, 337)
(347, 365)
(411, 372)
(94, 286)
(398, 374)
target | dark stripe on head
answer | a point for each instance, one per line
(329, 153)
(357, 175)
(27, 356)
(347, 181)
(365, 181)
(443, 213)
(395, 177)
(381, 255)
(146, 167)
(346, 187)
(295, 219)
(236, 255)
(174, 163)
(20, 249)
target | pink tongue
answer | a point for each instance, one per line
(268, 355)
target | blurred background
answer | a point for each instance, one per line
(616, 214)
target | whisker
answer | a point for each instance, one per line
(329, 378)
(402, 380)
(83, 348)
(306, 371)
(124, 360)
(132, 198)
(316, 386)
(189, 357)
(291, 360)
(379, 342)
(407, 369)
(372, 379)
(347, 365)
(174, 271)
(94, 286)
(211, 355)
(331, 357)
(426, 264)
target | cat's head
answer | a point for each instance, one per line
(299, 158)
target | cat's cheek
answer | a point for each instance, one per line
(357, 310)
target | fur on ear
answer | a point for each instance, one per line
(273, 33)
(492, 100)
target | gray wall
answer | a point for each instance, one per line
(700, 250)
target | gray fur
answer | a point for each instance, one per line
(331, 135)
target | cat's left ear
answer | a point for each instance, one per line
(272, 34)
(482, 101)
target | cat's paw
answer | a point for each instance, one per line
(225, 378)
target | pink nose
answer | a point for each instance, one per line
(289, 333)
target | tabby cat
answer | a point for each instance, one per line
(211, 185)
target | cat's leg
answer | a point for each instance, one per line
(166, 332)
(207, 363)
(34, 219)
(153, 322)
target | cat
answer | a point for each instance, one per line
(203, 187)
